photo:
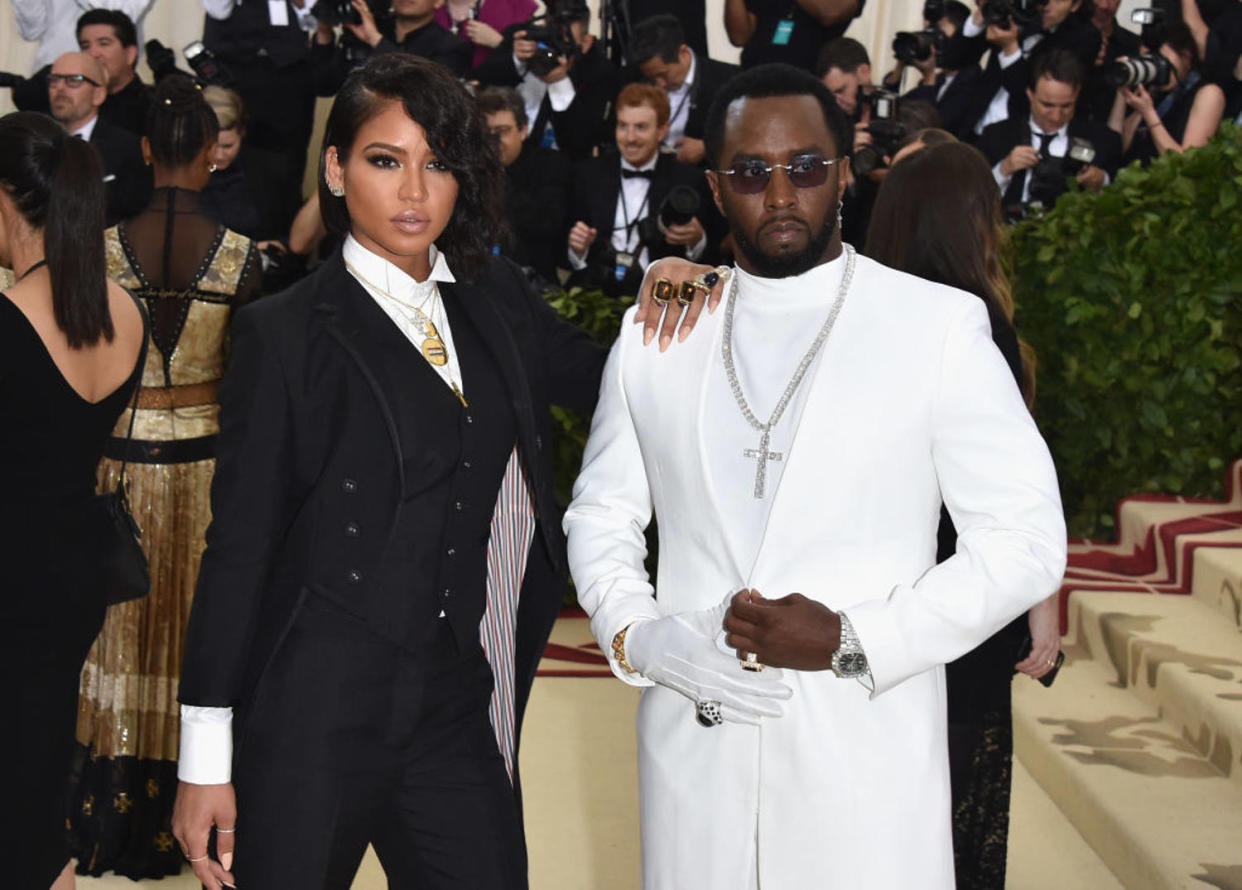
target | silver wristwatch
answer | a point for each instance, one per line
(849, 661)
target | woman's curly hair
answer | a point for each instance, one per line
(456, 131)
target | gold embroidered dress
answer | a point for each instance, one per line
(191, 273)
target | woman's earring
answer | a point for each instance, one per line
(211, 169)
(336, 191)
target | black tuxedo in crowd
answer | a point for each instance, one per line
(998, 139)
(586, 124)
(537, 209)
(127, 180)
(128, 108)
(333, 62)
(956, 104)
(351, 505)
(1099, 93)
(271, 72)
(593, 199)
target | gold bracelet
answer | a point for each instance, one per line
(618, 649)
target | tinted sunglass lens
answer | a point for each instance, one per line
(808, 176)
(750, 179)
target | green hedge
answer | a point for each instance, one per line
(1133, 300)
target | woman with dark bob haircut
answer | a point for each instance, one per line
(70, 356)
(384, 549)
(938, 216)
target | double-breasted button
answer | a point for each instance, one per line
(353, 576)
(352, 530)
(466, 464)
(452, 551)
(459, 506)
(469, 418)
(349, 486)
(446, 593)
(539, 443)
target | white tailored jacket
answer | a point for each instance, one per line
(910, 403)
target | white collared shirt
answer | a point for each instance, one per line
(1056, 148)
(679, 103)
(396, 292)
(86, 129)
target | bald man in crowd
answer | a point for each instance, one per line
(77, 86)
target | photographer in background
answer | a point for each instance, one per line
(565, 80)
(109, 36)
(1034, 157)
(1172, 107)
(637, 205)
(659, 50)
(1115, 42)
(264, 47)
(946, 79)
(410, 27)
(536, 186)
(77, 87)
(791, 31)
(481, 23)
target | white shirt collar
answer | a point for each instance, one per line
(87, 128)
(650, 165)
(380, 273)
(1036, 129)
(689, 81)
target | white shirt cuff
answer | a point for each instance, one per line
(561, 94)
(1001, 179)
(206, 745)
(693, 253)
(1006, 61)
(970, 29)
(575, 262)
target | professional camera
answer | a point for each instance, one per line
(1150, 71)
(887, 133)
(336, 12)
(553, 39)
(206, 66)
(1021, 12)
(917, 46)
(679, 206)
(1050, 177)
(1151, 24)
(10, 80)
(161, 60)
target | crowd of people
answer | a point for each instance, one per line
(585, 152)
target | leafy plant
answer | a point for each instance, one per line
(1133, 300)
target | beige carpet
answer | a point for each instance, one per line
(580, 777)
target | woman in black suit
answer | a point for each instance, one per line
(384, 476)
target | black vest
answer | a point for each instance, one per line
(456, 457)
(249, 33)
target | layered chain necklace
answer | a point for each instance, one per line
(762, 453)
(432, 346)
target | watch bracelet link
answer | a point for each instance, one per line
(618, 649)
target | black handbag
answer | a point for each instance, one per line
(126, 574)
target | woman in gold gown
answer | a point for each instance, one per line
(191, 273)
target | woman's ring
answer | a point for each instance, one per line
(663, 291)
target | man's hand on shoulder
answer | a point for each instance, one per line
(670, 320)
(790, 632)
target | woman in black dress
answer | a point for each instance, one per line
(938, 216)
(69, 348)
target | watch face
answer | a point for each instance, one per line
(851, 664)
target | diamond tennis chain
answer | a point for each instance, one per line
(765, 429)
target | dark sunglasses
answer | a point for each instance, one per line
(752, 177)
(69, 80)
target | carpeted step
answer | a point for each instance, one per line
(1218, 577)
(1177, 655)
(1158, 813)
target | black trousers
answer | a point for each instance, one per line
(350, 740)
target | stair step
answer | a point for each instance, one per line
(1157, 813)
(1218, 578)
(1177, 655)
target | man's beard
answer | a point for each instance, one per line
(786, 265)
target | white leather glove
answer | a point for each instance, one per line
(679, 651)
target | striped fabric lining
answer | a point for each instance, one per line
(512, 530)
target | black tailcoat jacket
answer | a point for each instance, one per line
(320, 454)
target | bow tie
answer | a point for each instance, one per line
(642, 174)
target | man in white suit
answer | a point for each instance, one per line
(797, 473)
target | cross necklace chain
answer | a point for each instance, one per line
(762, 454)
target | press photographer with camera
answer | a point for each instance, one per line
(1033, 158)
(635, 205)
(563, 75)
(404, 26)
(1115, 42)
(1172, 107)
(946, 79)
(662, 57)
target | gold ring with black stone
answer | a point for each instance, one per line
(663, 291)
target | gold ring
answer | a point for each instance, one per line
(685, 293)
(226, 831)
(202, 858)
(663, 291)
